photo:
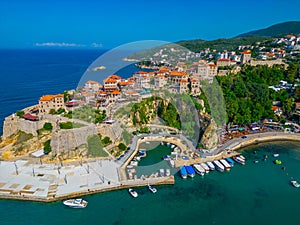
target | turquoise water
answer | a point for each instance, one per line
(251, 194)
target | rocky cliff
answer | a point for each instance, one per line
(209, 139)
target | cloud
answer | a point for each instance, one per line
(58, 44)
(97, 45)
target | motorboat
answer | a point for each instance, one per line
(238, 159)
(205, 167)
(133, 193)
(199, 169)
(230, 161)
(295, 183)
(152, 189)
(161, 172)
(190, 171)
(219, 166)
(77, 203)
(172, 163)
(183, 172)
(168, 172)
(226, 164)
(211, 165)
(276, 155)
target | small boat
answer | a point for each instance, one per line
(295, 183)
(172, 163)
(142, 153)
(199, 169)
(219, 166)
(190, 171)
(147, 142)
(255, 161)
(133, 193)
(226, 164)
(78, 203)
(168, 172)
(152, 189)
(137, 158)
(161, 172)
(242, 157)
(172, 146)
(230, 161)
(238, 159)
(161, 143)
(211, 165)
(134, 163)
(205, 167)
(278, 162)
(183, 172)
(166, 157)
(276, 155)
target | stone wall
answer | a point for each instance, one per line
(269, 63)
(13, 124)
(63, 141)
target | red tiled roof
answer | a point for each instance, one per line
(50, 97)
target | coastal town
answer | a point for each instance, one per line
(90, 139)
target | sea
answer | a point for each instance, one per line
(256, 193)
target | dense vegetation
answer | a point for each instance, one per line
(220, 44)
(48, 126)
(276, 30)
(88, 114)
(248, 98)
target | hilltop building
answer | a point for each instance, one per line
(48, 102)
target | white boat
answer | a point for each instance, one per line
(226, 164)
(205, 166)
(242, 157)
(147, 142)
(172, 163)
(211, 165)
(152, 189)
(276, 155)
(295, 183)
(172, 146)
(161, 172)
(168, 172)
(77, 203)
(134, 163)
(239, 159)
(199, 169)
(219, 166)
(133, 193)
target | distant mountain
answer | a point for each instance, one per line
(277, 30)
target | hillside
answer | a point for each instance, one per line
(281, 29)
(220, 44)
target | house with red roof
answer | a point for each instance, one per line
(48, 102)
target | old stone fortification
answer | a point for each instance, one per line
(269, 63)
(209, 139)
(63, 141)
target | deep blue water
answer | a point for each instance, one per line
(28, 74)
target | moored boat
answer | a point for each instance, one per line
(76, 203)
(162, 172)
(225, 164)
(152, 189)
(219, 166)
(168, 172)
(278, 162)
(211, 165)
(230, 161)
(238, 160)
(199, 169)
(172, 163)
(133, 193)
(190, 171)
(276, 155)
(205, 167)
(183, 172)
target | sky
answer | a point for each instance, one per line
(107, 24)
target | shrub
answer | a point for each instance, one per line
(48, 126)
(122, 147)
(20, 113)
(47, 147)
(106, 141)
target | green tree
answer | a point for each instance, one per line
(106, 141)
(52, 111)
(48, 126)
(122, 147)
